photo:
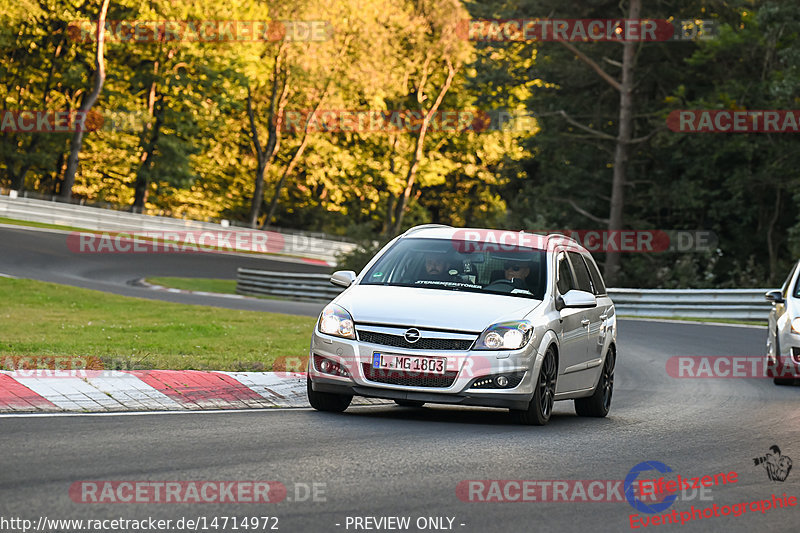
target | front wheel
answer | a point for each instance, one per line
(599, 402)
(327, 401)
(541, 406)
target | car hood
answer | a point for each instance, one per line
(432, 308)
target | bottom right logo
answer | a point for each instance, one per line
(777, 466)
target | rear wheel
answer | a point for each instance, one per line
(409, 403)
(599, 402)
(327, 401)
(541, 406)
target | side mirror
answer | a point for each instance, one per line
(774, 296)
(576, 299)
(343, 278)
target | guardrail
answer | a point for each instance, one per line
(107, 220)
(315, 287)
(739, 304)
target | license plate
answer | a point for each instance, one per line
(409, 363)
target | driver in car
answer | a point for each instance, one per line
(437, 268)
(516, 270)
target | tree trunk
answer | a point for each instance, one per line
(300, 149)
(147, 140)
(621, 154)
(295, 158)
(411, 176)
(86, 105)
(143, 173)
(772, 249)
(264, 155)
(286, 173)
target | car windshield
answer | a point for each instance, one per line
(797, 286)
(459, 265)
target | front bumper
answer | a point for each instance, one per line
(508, 400)
(466, 366)
(787, 363)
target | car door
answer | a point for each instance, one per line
(591, 322)
(604, 304)
(779, 320)
(600, 317)
(573, 336)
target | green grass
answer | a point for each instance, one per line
(223, 286)
(46, 320)
(697, 319)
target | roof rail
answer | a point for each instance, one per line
(562, 236)
(424, 226)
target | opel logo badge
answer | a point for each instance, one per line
(412, 335)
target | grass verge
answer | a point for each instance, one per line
(47, 320)
(222, 286)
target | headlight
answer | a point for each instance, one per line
(505, 336)
(334, 320)
(796, 325)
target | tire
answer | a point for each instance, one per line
(783, 381)
(409, 403)
(326, 401)
(541, 406)
(598, 404)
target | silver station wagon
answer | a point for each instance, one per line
(783, 337)
(469, 317)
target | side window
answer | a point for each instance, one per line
(797, 283)
(597, 279)
(564, 282)
(581, 273)
(785, 288)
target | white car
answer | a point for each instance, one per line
(469, 317)
(783, 339)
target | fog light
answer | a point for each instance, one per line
(325, 366)
(501, 381)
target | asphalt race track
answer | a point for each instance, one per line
(394, 461)
(388, 461)
(43, 255)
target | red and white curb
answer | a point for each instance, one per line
(150, 390)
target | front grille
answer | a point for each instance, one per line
(425, 343)
(399, 377)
